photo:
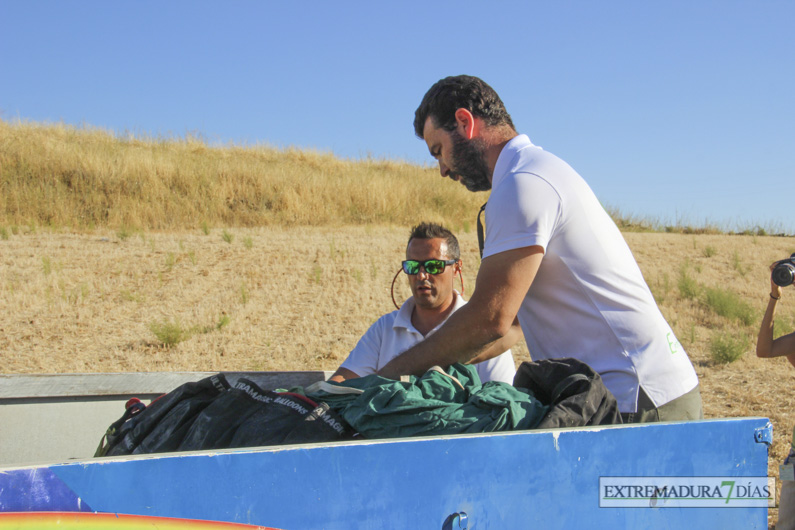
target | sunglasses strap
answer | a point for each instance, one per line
(480, 229)
(392, 290)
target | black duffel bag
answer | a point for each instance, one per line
(214, 414)
(575, 393)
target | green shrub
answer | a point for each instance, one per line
(243, 293)
(660, 289)
(737, 264)
(729, 304)
(124, 232)
(223, 321)
(130, 296)
(709, 251)
(725, 348)
(688, 286)
(170, 333)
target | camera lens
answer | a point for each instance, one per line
(783, 274)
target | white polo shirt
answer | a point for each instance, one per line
(393, 333)
(589, 299)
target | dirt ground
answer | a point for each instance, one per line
(298, 299)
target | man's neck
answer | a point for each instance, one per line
(495, 140)
(425, 320)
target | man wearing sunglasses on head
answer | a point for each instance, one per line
(432, 261)
(553, 258)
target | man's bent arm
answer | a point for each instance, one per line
(501, 345)
(502, 283)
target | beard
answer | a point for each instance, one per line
(469, 163)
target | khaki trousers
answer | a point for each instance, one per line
(683, 408)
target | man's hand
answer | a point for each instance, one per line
(342, 374)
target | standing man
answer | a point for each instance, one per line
(552, 257)
(433, 258)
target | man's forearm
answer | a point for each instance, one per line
(460, 339)
(502, 283)
(499, 346)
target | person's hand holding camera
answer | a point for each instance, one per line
(775, 289)
(782, 274)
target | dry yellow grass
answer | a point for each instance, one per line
(299, 298)
(61, 176)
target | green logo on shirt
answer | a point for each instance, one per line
(673, 344)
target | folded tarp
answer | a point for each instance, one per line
(435, 403)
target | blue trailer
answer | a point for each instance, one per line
(707, 474)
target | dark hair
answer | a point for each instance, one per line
(460, 92)
(433, 231)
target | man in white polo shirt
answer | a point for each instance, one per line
(552, 257)
(432, 260)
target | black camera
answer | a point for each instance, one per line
(784, 272)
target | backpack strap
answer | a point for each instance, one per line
(132, 407)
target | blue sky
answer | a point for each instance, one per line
(679, 111)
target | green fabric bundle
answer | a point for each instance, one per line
(435, 403)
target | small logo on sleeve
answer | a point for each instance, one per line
(673, 343)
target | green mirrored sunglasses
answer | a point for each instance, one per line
(431, 266)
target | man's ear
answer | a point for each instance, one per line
(466, 123)
(459, 266)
